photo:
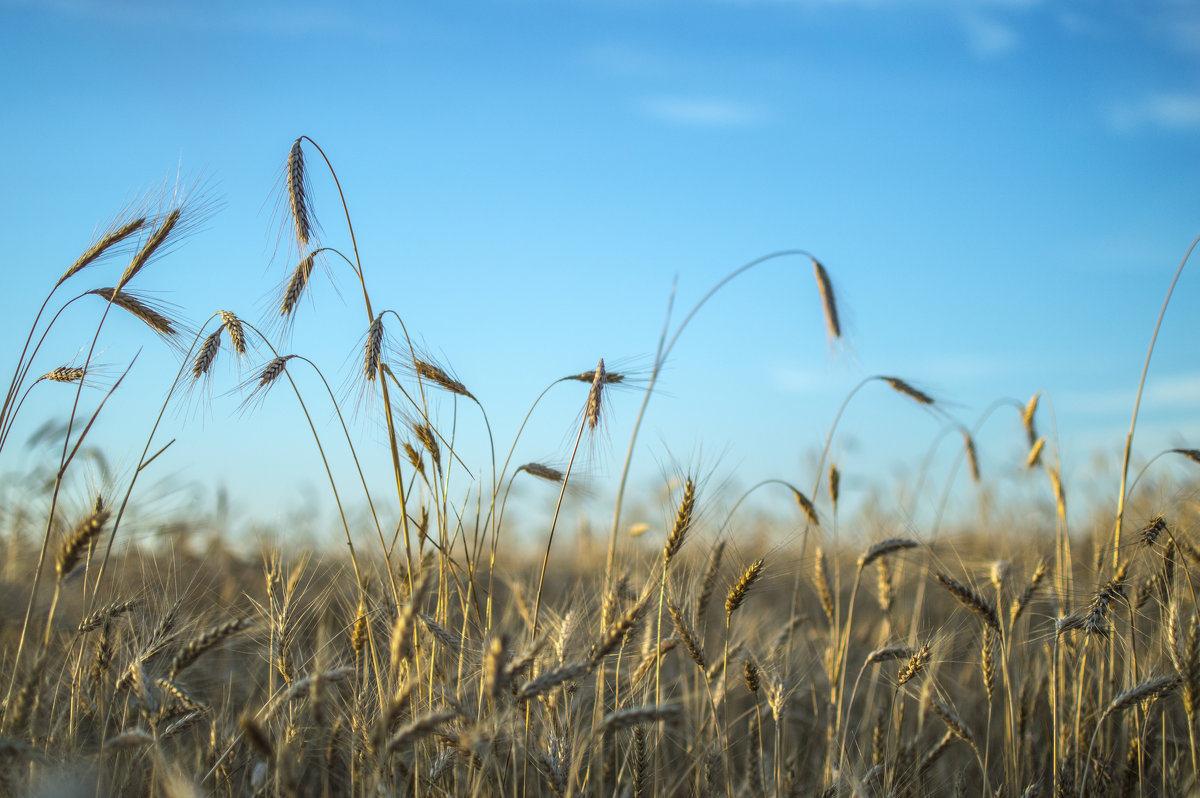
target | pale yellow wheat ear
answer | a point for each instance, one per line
(591, 411)
(737, 594)
(64, 374)
(683, 521)
(1027, 418)
(1034, 458)
(237, 333)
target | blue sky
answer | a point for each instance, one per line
(1000, 190)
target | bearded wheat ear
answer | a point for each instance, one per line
(883, 548)
(297, 283)
(542, 471)
(152, 245)
(737, 594)
(591, 411)
(64, 374)
(298, 194)
(438, 376)
(825, 288)
(900, 386)
(139, 308)
(237, 333)
(106, 242)
(1027, 418)
(683, 522)
(74, 545)
(1034, 458)
(373, 348)
(972, 601)
(208, 353)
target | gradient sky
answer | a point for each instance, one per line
(1001, 191)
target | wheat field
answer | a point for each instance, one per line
(433, 657)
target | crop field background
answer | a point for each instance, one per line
(599, 399)
(432, 656)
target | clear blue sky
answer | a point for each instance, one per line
(1000, 190)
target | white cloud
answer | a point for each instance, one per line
(1162, 394)
(1164, 110)
(702, 112)
(988, 37)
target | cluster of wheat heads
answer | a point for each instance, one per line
(433, 660)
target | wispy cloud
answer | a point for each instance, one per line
(1164, 110)
(703, 112)
(1163, 394)
(988, 37)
